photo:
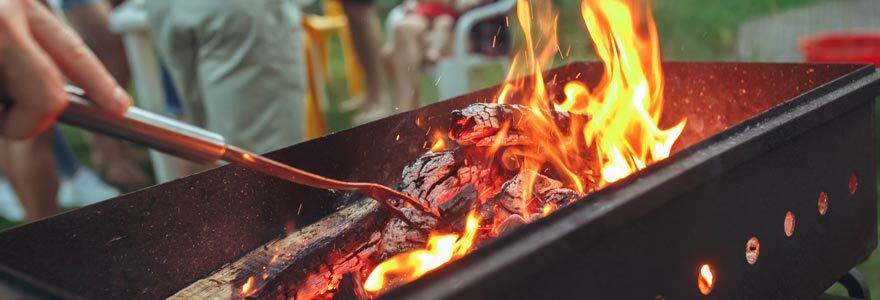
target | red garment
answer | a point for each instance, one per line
(432, 10)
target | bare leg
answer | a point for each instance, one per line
(437, 39)
(116, 161)
(404, 57)
(366, 34)
(111, 156)
(30, 169)
(92, 22)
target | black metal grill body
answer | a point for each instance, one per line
(737, 169)
(648, 236)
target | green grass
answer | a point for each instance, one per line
(4, 223)
(706, 30)
(871, 270)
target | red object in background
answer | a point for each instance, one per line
(842, 47)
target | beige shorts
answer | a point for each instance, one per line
(237, 67)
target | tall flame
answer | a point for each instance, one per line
(620, 135)
(624, 109)
(626, 106)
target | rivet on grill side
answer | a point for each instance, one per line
(823, 203)
(790, 223)
(753, 249)
(853, 183)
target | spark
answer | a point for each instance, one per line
(246, 287)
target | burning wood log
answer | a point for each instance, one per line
(312, 262)
(527, 194)
(398, 237)
(350, 288)
(436, 177)
(306, 261)
(478, 123)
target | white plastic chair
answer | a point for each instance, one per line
(130, 20)
(452, 70)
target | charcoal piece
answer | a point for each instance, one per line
(511, 201)
(457, 208)
(420, 177)
(477, 121)
(436, 177)
(509, 223)
(399, 237)
(512, 138)
(560, 197)
(443, 191)
(350, 288)
(507, 202)
(511, 197)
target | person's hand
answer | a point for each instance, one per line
(36, 52)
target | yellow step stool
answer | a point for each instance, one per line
(319, 29)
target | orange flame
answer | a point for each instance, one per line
(548, 209)
(625, 108)
(706, 281)
(408, 266)
(439, 141)
(246, 287)
(628, 103)
(620, 135)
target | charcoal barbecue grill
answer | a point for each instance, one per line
(767, 146)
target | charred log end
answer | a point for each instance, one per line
(350, 288)
(462, 127)
(475, 121)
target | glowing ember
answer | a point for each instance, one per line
(548, 208)
(246, 287)
(439, 141)
(706, 280)
(406, 267)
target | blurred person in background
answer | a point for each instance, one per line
(366, 35)
(90, 18)
(38, 52)
(237, 67)
(421, 37)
